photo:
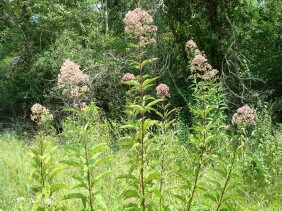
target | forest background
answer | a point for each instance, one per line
(242, 39)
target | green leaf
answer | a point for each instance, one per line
(78, 178)
(56, 187)
(98, 162)
(130, 194)
(156, 191)
(152, 176)
(209, 196)
(132, 83)
(46, 154)
(37, 202)
(181, 198)
(152, 103)
(99, 177)
(77, 196)
(236, 186)
(80, 185)
(97, 148)
(131, 206)
(72, 149)
(101, 201)
(232, 196)
(36, 176)
(216, 183)
(137, 108)
(145, 62)
(55, 171)
(170, 122)
(72, 163)
(160, 114)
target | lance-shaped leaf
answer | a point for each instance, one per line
(148, 61)
(72, 163)
(130, 194)
(56, 187)
(97, 148)
(152, 176)
(99, 177)
(77, 196)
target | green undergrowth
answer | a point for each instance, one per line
(16, 181)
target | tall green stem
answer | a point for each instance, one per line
(142, 126)
(162, 160)
(42, 164)
(227, 178)
(203, 147)
(196, 179)
(87, 163)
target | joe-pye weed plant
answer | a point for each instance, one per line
(86, 155)
(204, 124)
(165, 150)
(225, 187)
(45, 167)
(140, 193)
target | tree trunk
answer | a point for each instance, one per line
(106, 16)
(213, 17)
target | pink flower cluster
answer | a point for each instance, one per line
(163, 90)
(191, 45)
(37, 111)
(209, 74)
(244, 115)
(128, 77)
(78, 91)
(139, 22)
(70, 74)
(192, 48)
(200, 63)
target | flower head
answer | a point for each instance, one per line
(76, 91)
(70, 74)
(84, 88)
(163, 90)
(191, 45)
(38, 111)
(244, 115)
(128, 77)
(200, 63)
(210, 74)
(139, 22)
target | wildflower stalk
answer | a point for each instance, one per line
(196, 179)
(41, 164)
(139, 24)
(203, 147)
(142, 124)
(163, 156)
(89, 187)
(163, 92)
(228, 177)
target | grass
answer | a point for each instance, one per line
(15, 182)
